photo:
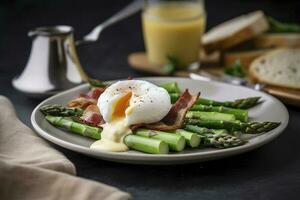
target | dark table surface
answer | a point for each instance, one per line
(270, 172)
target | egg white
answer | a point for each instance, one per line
(148, 103)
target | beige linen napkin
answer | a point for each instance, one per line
(31, 169)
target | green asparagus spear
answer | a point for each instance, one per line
(147, 145)
(175, 142)
(174, 97)
(171, 87)
(239, 114)
(281, 27)
(245, 127)
(75, 127)
(218, 139)
(220, 131)
(238, 103)
(203, 130)
(222, 140)
(59, 110)
(192, 139)
(139, 143)
(96, 83)
(210, 116)
(245, 103)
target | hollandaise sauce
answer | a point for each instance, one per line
(112, 137)
(113, 133)
(173, 29)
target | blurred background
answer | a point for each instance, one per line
(106, 59)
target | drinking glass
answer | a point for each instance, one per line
(172, 30)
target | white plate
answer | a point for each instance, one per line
(270, 110)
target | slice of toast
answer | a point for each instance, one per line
(235, 31)
(273, 40)
(279, 67)
(245, 57)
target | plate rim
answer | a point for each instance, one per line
(153, 158)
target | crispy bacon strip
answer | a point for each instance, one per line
(85, 100)
(174, 119)
(95, 93)
(91, 116)
(82, 102)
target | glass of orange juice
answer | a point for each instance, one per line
(173, 29)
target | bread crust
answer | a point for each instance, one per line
(245, 57)
(259, 26)
(255, 77)
(272, 40)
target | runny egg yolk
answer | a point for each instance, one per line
(121, 106)
(114, 131)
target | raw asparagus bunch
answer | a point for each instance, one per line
(215, 138)
(232, 126)
(143, 144)
(59, 110)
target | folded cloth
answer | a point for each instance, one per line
(31, 169)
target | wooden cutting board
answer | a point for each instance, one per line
(139, 61)
(288, 96)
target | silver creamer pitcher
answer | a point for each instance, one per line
(53, 64)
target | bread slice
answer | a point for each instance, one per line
(235, 31)
(272, 40)
(245, 57)
(211, 59)
(279, 67)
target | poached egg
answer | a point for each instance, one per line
(127, 103)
